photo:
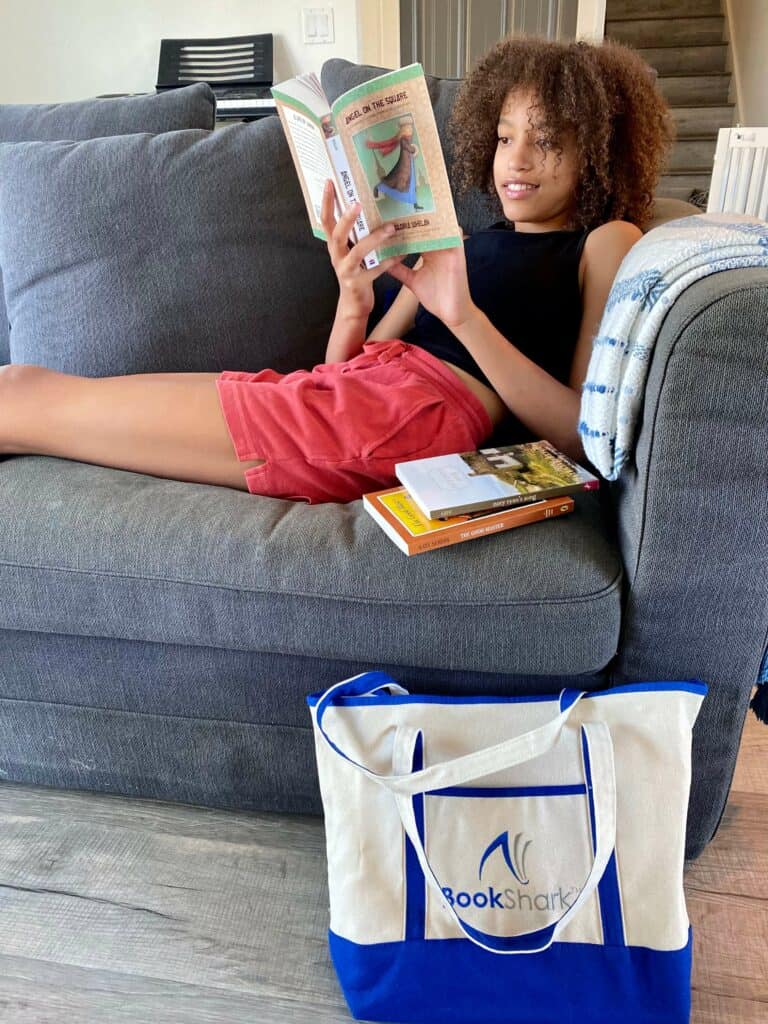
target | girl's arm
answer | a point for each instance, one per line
(347, 335)
(400, 316)
(356, 297)
(548, 408)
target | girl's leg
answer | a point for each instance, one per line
(165, 424)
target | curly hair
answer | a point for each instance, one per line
(605, 95)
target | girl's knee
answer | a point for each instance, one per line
(18, 374)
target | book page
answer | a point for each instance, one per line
(388, 130)
(307, 121)
(306, 92)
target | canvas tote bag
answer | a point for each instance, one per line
(515, 859)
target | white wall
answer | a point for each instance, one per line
(748, 35)
(590, 21)
(57, 50)
(378, 32)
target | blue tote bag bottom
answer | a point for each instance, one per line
(453, 981)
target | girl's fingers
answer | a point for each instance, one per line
(386, 266)
(331, 226)
(344, 225)
(399, 270)
(338, 232)
(326, 208)
(338, 235)
(376, 238)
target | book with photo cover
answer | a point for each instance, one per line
(404, 523)
(378, 143)
(492, 478)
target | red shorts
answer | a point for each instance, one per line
(335, 432)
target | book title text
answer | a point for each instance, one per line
(381, 104)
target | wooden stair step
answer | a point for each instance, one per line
(680, 186)
(702, 122)
(667, 32)
(695, 90)
(632, 10)
(693, 155)
(696, 60)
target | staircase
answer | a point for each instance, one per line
(684, 41)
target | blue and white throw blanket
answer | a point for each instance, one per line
(654, 272)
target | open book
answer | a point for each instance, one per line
(378, 142)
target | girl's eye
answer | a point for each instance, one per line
(543, 142)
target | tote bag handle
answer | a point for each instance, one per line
(502, 755)
(597, 747)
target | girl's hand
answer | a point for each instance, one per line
(356, 299)
(440, 284)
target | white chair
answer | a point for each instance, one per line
(740, 172)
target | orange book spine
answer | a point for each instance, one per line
(472, 529)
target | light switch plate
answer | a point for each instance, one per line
(317, 24)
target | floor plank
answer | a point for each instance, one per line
(709, 1008)
(245, 909)
(751, 775)
(726, 895)
(37, 992)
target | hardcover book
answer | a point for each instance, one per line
(379, 144)
(492, 478)
(404, 523)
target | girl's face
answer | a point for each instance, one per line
(525, 155)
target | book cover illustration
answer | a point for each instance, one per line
(492, 478)
(394, 168)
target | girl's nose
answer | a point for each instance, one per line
(519, 156)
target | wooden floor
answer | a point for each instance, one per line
(115, 910)
(728, 898)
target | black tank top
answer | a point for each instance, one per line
(527, 284)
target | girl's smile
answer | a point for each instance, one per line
(535, 183)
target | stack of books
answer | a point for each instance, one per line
(452, 498)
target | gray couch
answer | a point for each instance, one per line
(158, 638)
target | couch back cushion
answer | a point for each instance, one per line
(184, 251)
(193, 106)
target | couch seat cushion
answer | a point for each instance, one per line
(92, 551)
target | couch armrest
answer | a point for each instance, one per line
(692, 520)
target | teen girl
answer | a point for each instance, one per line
(570, 138)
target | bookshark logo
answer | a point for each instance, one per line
(516, 862)
(515, 855)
